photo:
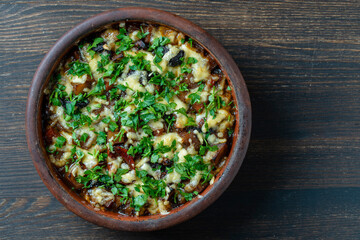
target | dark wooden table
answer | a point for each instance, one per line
(301, 175)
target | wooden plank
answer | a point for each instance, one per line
(301, 62)
(315, 213)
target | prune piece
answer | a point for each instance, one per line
(99, 48)
(176, 61)
(94, 183)
(117, 57)
(130, 72)
(167, 162)
(216, 70)
(140, 44)
(63, 102)
(82, 104)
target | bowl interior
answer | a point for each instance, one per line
(74, 202)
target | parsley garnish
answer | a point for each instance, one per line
(188, 169)
(187, 196)
(105, 60)
(190, 42)
(58, 94)
(203, 149)
(93, 45)
(191, 60)
(125, 41)
(60, 142)
(112, 125)
(84, 137)
(139, 62)
(79, 120)
(195, 97)
(78, 68)
(186, 70)
(141, 34)
(157, 45)
(215, 103)
(183, 87)
(151, 187)
(101, 138)
(139, 201)
(161, 41)
(119, 135)
(144, 147)
(99, 88)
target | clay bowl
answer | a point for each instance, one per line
(112, 220)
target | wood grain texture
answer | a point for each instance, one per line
(301, 62)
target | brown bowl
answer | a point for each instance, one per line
(112, 220)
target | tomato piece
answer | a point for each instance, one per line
(108, 86)
(122, 152)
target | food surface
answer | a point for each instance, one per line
(138, 119)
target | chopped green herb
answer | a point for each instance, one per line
(139, 201)
(78, 68)
(191, 60)
(60, 142)
(101, 138)
(142, 34)
(125, 41)
(119, 135)
(190, 42)
(161, 41)
(93, 45)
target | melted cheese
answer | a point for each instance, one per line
(100, 195)
(100, 108)
(89, 160)
(173, 177)
(110, 38)
(215, 122)
(181, 119)
(194, 181)
(129, 177)
(133, 82)
(201, 68)
(168, 138)
(156, 125)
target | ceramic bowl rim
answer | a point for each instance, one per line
(73, 202)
